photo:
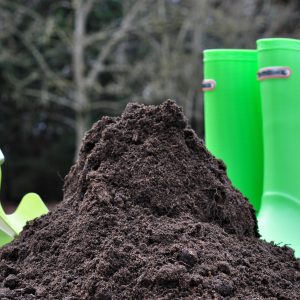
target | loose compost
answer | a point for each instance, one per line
(148, 213)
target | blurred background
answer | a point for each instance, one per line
(64, 64)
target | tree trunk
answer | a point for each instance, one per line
(82, 102)
(82, 123)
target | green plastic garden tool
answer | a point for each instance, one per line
(232, 112)
(279, 77)
(30, 207)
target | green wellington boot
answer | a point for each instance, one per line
(279, 73)
(232, 113)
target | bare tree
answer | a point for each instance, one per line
(71, 92)
(152, 52)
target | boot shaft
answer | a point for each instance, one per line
(279, 76)
(233, 117)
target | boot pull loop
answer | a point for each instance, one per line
(208, 85)
(274, 72)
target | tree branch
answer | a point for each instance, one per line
(97, 37)
(87, 6)
(63, 101)
(106, 104)
(41, 61)
(116, 37)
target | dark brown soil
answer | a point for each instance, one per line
(148, 213)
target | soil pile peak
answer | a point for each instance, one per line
(151, 159)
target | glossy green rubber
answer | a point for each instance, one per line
(279, 217)
(232, 112)
(30, 207)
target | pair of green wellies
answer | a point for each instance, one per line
(252, 122)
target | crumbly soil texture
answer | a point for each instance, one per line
(148, 213)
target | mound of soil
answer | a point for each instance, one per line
(148, 213)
